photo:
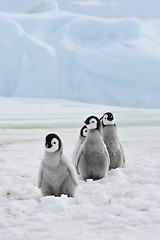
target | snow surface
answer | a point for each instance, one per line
(58, 54)
(44, 6)
(145, 9)
(124, 205)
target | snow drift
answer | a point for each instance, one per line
(57, 54)
(124, 205)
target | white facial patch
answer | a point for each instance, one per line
(92, 124)
(55, 146)
(84, 132)
(106, 121)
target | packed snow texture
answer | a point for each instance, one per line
(57, 54)
(44, 6)
(124, 205)
(100, 8)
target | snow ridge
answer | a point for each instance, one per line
(58, 54)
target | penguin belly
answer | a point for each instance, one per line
(57, 182)
(93, 165)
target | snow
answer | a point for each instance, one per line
(58, 54)
(44, 6)
(123, 205)
(89, 3)
(100, 8)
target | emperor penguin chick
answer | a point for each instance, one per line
(110, 137)
(57, 175)
(93, 158)
(81, 139)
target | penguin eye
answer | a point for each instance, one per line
(54, 141)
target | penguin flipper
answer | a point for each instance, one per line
(78, 160)
(124, 160)
(107, 154)
(40, 176)
(70, 168)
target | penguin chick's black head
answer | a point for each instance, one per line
(53, 140)
(110, 116)
(83, 131)
(108, 119)
(93, 122)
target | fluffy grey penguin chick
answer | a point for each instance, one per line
(110, 137)
(81, 139)
(93, 158)
(57, 175)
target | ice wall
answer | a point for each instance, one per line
(57, 54)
